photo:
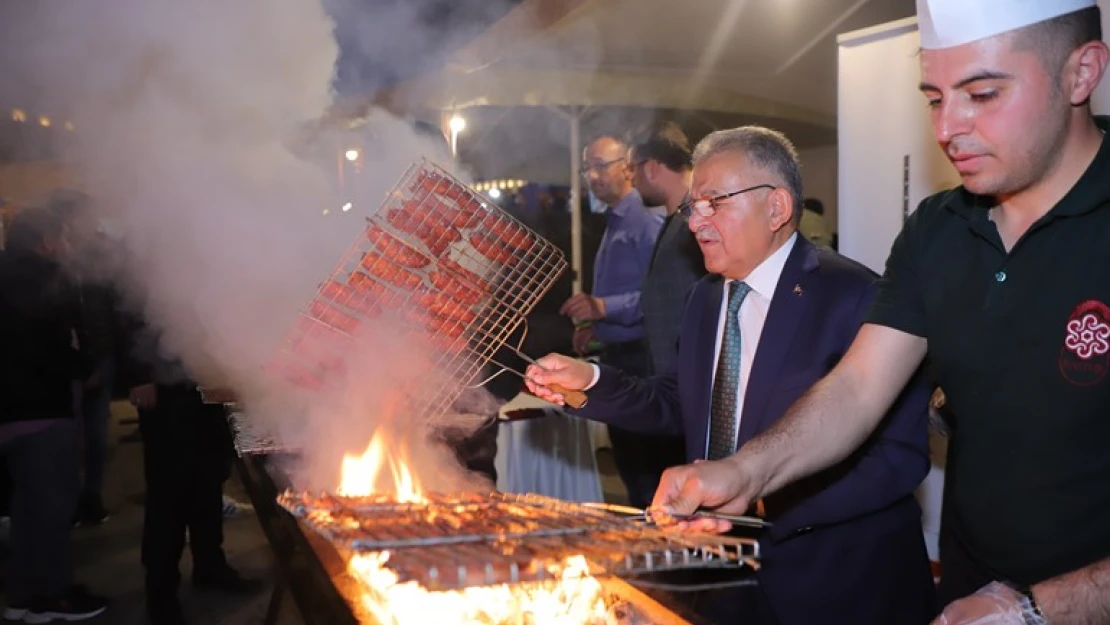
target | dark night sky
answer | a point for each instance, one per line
(421, 34)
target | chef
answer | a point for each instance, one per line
(1005, 281)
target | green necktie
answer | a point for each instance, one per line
(723, 424)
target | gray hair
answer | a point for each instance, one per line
(767, 149)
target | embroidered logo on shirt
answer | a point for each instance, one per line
(1084, 359)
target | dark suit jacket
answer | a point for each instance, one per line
(846, 545)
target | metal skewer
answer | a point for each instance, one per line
(574, 399)
(646, 514)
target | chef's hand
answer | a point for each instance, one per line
(571, 374)
(715, 485)
(583, 336)
(144, 396)
(583, 307)
(993, 604)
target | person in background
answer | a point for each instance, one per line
(40, 363)
(772, 319)
(813, 226)
(612, 314)
(661, 168)
(187, 452)
(1005, 283)
(89, 268)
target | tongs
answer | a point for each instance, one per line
(664, 518)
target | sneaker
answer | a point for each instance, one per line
(234, 509)
(78, 605)
(15, 611)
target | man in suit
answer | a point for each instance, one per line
(775, 316)
(660, 158)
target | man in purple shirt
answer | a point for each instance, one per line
(613, 312)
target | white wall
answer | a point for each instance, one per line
(1100, 101)
(819, 179)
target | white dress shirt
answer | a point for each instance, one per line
(753, 315)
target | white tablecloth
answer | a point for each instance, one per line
(552, 456)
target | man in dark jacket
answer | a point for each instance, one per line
(187, 449)
(40, 361)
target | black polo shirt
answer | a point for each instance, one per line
(1020, 343)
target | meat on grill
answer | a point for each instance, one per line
(445, 305)
(492, 248)
(507, 232)
(436, 233)
(455, 288)
(380, 267)
(392, 247)
(351, 298)
(467, 275)
(333, 317)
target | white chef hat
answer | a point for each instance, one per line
(948, 23)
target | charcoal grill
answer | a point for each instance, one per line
(456, 541)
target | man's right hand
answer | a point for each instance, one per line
(144, 396)
(723, 486)
(569, 373)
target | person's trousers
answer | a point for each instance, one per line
(43, 468)
(185, 463)
(640, 458)
(96, 406)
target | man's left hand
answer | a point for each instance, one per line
(583, 307)
(993, 604)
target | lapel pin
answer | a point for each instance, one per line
(797, 289)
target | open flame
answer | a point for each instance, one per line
(377, 470)
(572, 597)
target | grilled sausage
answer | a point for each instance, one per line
(349, 297)
(491, 248)
(468, 276)
(380, 267)
(333, 317)
(455, 289)
(507, 232)
(394, 249)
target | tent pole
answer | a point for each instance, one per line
(575, 118)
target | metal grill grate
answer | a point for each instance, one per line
(249, 438)
(482, 539)
(446, 266)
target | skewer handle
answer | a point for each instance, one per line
(574, 399)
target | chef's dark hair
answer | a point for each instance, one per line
(1058, 37)
(664, 142)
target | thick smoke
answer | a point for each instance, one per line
(198, 133)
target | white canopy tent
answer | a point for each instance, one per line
(721, 62)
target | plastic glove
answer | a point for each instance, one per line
(993, 604)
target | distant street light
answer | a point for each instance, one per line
(495, 193)
(352, 155)
(457, 124)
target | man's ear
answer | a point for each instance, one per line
(1085, 69)
(781, 207)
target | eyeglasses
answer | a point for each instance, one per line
(600, 167)
(707, 207)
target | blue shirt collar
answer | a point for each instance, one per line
(621, 208)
